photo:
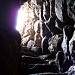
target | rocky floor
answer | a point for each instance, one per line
(32, 64)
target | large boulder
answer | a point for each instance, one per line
(30, 44)
(71, 70)
(55, 43)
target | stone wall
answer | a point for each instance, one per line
(45, 18)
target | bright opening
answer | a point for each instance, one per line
(24, 14)
(20, 19)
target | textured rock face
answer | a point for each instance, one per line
(72, 44)
(46, 9)
(38, 23)
(65, 8)
(71, 8)
(32, 26)
(42, 35)
(54, 43)
(58, 9)
(71, 70)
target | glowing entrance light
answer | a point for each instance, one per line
(20, 19)
(25, 14)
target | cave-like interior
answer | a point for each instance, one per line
(47, 35)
